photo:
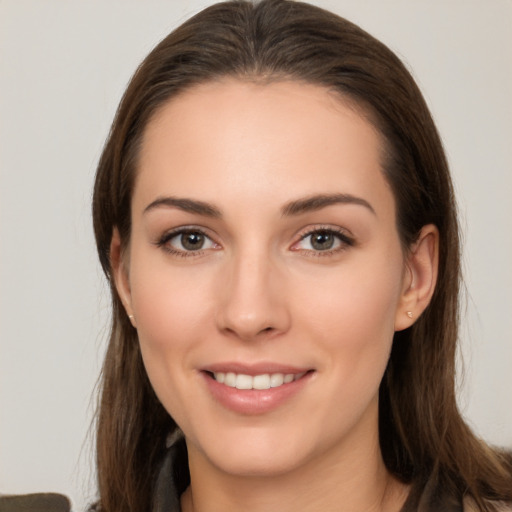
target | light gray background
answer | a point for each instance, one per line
(63, 67)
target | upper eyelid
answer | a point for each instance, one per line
(304, 232)
(170, 233)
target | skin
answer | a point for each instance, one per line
(259, 290)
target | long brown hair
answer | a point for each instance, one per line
(421, 430)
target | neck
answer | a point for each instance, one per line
(354, 480)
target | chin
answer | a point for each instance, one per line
(258, 463)
(254, 452)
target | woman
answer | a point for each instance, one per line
(275, 216)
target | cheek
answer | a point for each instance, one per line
(352, 324)
(351, 312)
(168, 302)
(172, 310)
(363, 296)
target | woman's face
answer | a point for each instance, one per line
(265, 273)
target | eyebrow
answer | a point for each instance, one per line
(317, 202)
(296, 207)
(187, 205)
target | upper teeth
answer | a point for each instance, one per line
(265, 381)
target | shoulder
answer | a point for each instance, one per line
(38, 502)
(500, 506)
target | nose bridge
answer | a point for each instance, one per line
(253, 301)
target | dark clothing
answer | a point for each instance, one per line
(174, 478)
(37, 502)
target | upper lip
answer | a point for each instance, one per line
(253, 369)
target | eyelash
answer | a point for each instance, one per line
(341, 235)
(345, 241)
(163, 242)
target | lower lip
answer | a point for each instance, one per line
(254, 401)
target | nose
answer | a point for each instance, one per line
(252, 299)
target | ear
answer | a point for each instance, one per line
(120, 274)
(420, 277)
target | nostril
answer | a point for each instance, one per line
(267, 330)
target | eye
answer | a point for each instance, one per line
(185, 241)
(323, 240)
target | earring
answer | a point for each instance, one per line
(131, 317)
(409, 314)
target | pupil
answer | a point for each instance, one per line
(192, 241)
(322, 240)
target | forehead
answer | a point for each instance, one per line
(231, 100)
(226, 138)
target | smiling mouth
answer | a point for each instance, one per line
(254, 389)
(258, 382)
